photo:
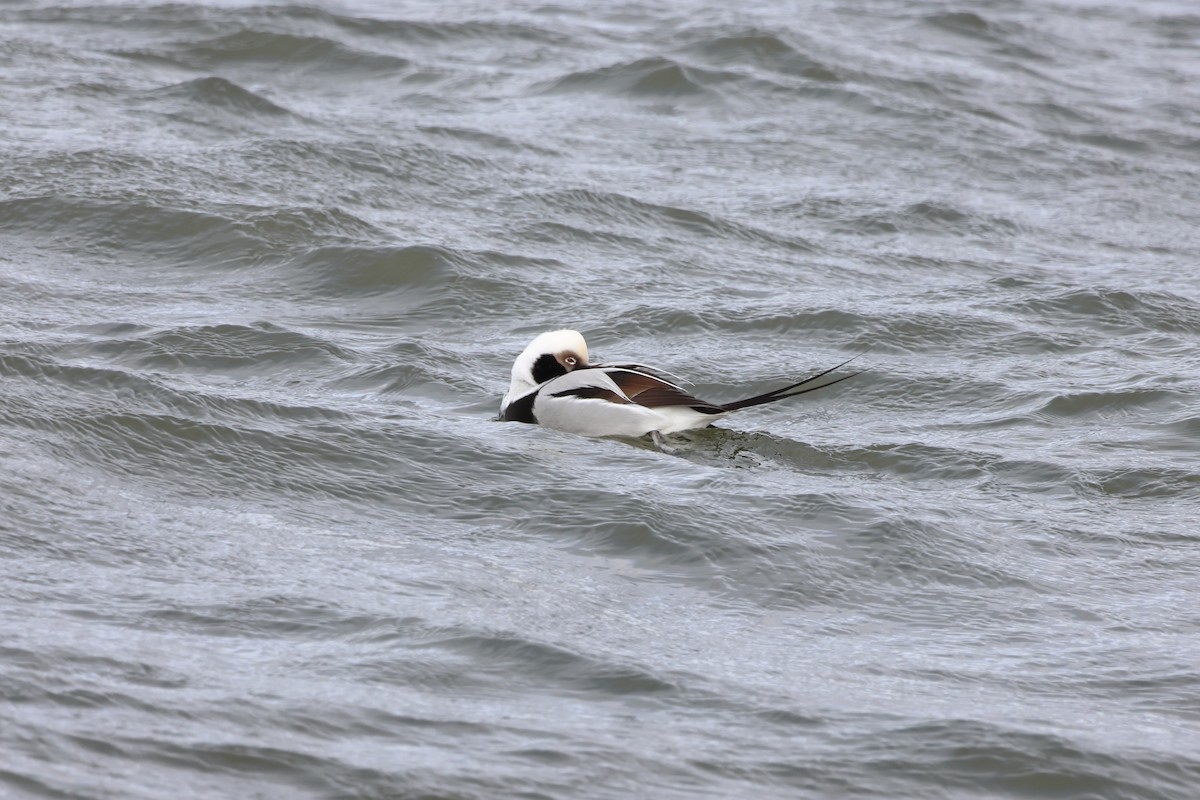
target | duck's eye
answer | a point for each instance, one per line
(571, 361)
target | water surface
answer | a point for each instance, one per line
(264, 269)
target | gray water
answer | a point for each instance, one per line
(264, 269)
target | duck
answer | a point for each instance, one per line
(555, 385)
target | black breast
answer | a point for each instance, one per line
(521, 409)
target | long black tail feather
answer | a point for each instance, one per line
(787, 391)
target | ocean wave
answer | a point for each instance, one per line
(266, 267)
(215, 94)
(762, 50)
(1109, 309)
(656, 78)
(624, 212)
(311, 53)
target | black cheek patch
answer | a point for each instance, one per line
(547, 367)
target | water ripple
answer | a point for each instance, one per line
(265, 269)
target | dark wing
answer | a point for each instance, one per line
(648, 390)
(653, 392)
(593, 393)
(661, 374)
